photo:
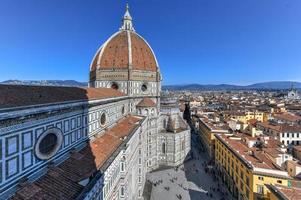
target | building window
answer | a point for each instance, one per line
(122, 191)
(183, 145)
(103, 119)
(114, 86)
(122, 167)
(247, 193)
(164, 123)
(279, 181)
(122, 164)
(248, 181)
(48, 143)
(260, 189)
(123, 110)
(163, 148)
(144, 87)
(260, 178)
(241, 186)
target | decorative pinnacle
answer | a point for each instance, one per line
(127, 23)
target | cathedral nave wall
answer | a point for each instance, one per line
(18, 142)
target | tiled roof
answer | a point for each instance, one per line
(21, 95)
(146, 102)
(287, 117)
(252, 121)
(257, 158)
(270, 126)
(297, 148)
(285, 193)
(291, 128)
(62, 182)
(114, 54)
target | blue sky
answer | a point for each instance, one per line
(195, 41)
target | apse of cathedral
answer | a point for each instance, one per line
(97, 142)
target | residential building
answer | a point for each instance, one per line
(246, 170)
(207, 129)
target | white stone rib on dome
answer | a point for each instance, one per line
(99, 52)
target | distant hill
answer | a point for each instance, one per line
(70, 83)
(274, 85)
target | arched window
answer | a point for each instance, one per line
(122, 191)
(122, 167)
(164, 123)
(163, 148)
(183, 145)
(123, 110)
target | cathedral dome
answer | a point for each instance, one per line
(125, 50)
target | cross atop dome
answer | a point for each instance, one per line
(127, 23)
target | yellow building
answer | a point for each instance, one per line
(244, 117)
(245, 171)
(207, 130)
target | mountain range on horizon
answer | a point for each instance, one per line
(70, 83)
(272, 85)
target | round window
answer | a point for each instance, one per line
(103, 119)
(48, 143)
(115, 86)
(144, 87)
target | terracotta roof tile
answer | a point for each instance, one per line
(21, 95)
(146, 102)
(283, 192)
(287, 117)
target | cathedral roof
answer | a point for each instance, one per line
(125, 50)
(146, 102)
(63, 181)
(23, 95)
